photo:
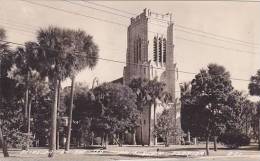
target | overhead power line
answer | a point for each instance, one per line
(218, 39)
(121, 62)
(177, 37)
(74, 13)
(225, 37)
(82, 5)
(194, 41)
(218, 46)
(105, 6)
(124, 25)
(25, 32)
(181, 26)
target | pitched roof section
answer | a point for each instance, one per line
(119, 80)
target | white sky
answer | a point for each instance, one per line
(238, 20)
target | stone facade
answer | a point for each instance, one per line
(150, 55)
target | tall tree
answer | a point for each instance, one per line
(54, 53)
(254, 89)
(84, 54)
(210, 89)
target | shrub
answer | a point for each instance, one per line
(234, 139)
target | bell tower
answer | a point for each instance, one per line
(150, 47)
(150, 54)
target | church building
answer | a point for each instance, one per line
(150, 54)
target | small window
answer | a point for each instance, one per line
(144, 122)
(144, 71)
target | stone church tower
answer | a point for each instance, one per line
(150, 55)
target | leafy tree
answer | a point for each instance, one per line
(234, 138)
(209, 90)
(5, 64)
(254, 89)
(186, 108)
(238, 117)
(240, 114)
(255, 121)
(164, 126)
(24, 71)
(119, 112)
(41, 113)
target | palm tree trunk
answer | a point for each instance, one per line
(58, 107)
(189, 136)
(70, 113)
(215, 143)
(166, 140)
(142, 143)
(150, 133)
(26, 108)
(207, 144)
(106, 140)
(3, 143)
(92, 138)
(52, 145)
(26, 104)
(29, 123)
(155, 122)
(102, 140)
(134, 139)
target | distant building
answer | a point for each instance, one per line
(150, 54)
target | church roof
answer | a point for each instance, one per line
(119, 80)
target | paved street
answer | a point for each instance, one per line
(136, 153)
(121, 158)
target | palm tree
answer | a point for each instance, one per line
(63, 53)
(84, 54)
(53, 56)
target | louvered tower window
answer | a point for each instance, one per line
(164, 50)
(134, 51)
(155, 49)
(139, 49)
(160, 50)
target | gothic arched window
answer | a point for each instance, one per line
(164, 50)
(155, 49)
(160, 50)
